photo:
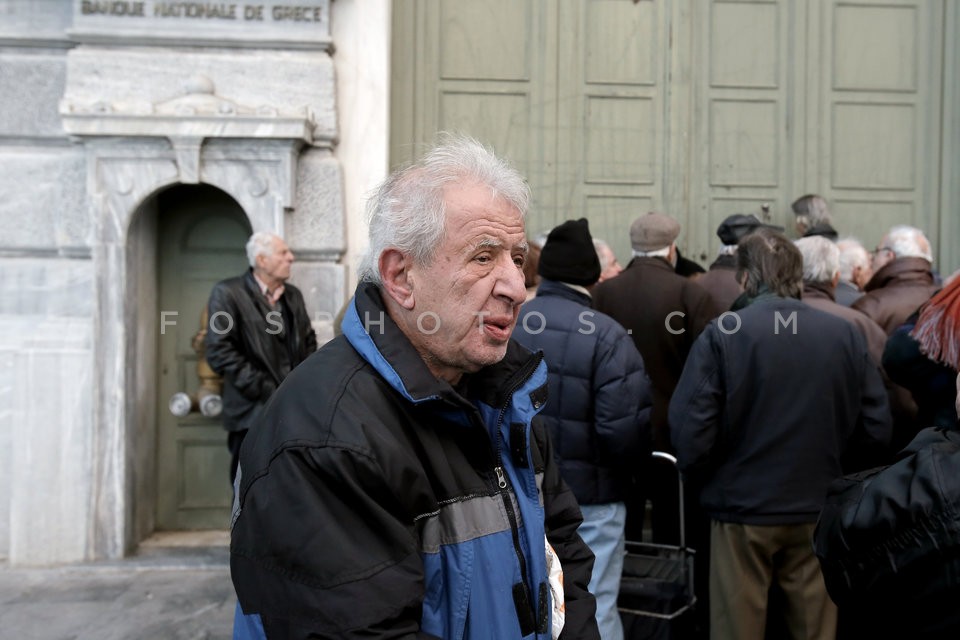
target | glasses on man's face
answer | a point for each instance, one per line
(880, 250)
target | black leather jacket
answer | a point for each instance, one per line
(888, 541)
(249, 356)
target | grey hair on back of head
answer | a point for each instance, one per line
(407, 211)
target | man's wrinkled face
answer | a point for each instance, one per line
(468, 298)
(276, 267)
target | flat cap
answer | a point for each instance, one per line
(653, 231)
(735, 227)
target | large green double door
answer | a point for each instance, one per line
(697, 108)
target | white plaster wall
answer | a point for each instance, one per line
(361, 33)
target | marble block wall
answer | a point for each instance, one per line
(46, 373)
(76, 414)
(46, 297)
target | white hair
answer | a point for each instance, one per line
(407, 212)
(260, 244)
(821, 259)
(908, 242)
(604, 256)
(852, 255)
(656, 253)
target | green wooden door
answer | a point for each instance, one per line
(696, 108)
(202, 233)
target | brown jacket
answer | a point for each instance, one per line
(822, 297)
(642, 299)
(721, 282)
(896, 291)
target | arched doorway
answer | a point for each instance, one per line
(201, 233)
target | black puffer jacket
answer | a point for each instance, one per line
(252, 357)
(599, 413)
(888, 541)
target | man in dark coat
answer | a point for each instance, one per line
(751, 426)
(720, 280)
(599, 414)
(259, 331)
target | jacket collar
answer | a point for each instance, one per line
(818, 291)
(763, 295)
(909, 271)
(561, 290)
(390, 352)
(724, 262)
(822, 229)
(643, 261)
(253, 288)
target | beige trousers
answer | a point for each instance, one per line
(745, 560)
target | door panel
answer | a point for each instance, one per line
(698, 109)
(202, 233)
(880, 125)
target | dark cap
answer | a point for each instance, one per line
(569, 255)
(653, 231)
(735, 227)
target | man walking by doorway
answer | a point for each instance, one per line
(258, 332)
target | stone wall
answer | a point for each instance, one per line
(101, 105)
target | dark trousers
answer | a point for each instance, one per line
(234, 440)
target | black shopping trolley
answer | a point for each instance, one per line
(656, 598)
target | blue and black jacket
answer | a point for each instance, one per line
(378, 501)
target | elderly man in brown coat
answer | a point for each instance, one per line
(821, 272)
(720, 280)
(664, 313)
(902, 278)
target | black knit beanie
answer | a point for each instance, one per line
(569, 255)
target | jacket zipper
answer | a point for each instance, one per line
(502, 482)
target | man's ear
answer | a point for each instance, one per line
(395, 273)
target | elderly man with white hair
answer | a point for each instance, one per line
(821, 273)
(855, 271)
(902, 278)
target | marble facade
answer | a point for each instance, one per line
(102, 105)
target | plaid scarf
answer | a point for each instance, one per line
(938, 327)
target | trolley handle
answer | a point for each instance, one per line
(672, 459)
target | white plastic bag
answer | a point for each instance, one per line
(555, 577)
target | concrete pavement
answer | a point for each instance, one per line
(168, 591)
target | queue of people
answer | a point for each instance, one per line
(467, 458)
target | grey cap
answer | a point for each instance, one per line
(653, 231)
